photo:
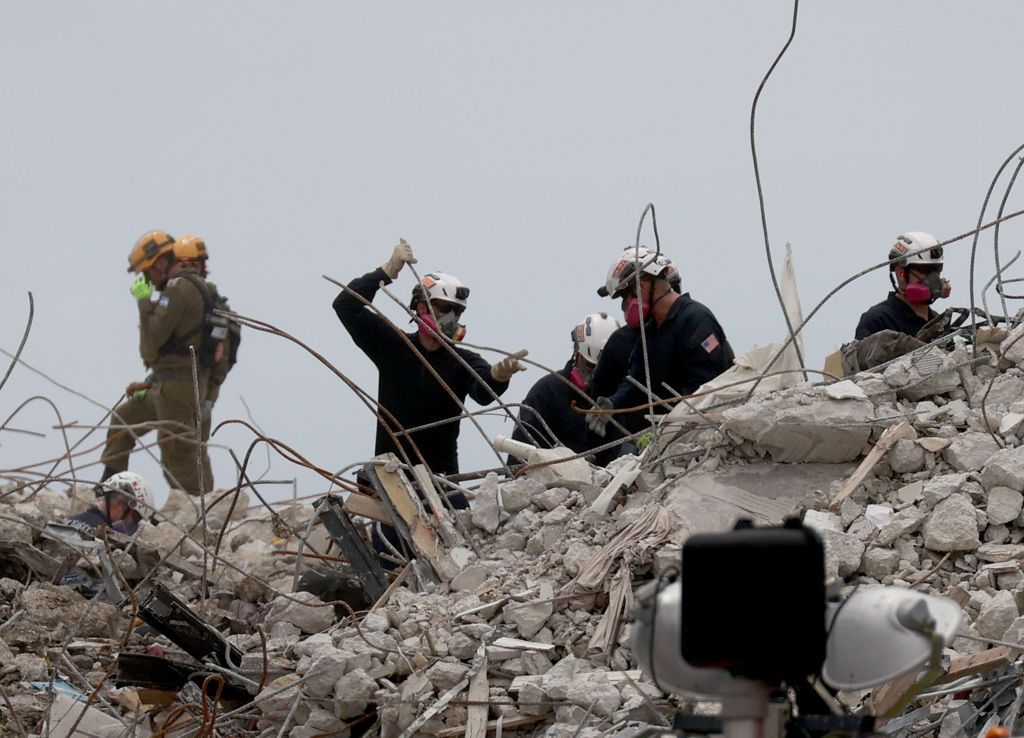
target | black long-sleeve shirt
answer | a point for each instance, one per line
(688, 349)
(405, 387)
(551, 398)
(891, 314)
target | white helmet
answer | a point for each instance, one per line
(907, 243)
(134, 489)
(440, 286)
(650, 262)
(590, 336)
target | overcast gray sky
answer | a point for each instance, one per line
(511, 144)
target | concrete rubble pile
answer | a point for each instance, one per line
(531, 625)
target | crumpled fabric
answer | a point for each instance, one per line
(636, 541)
(876, 349)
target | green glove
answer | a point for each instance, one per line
(142, 288)
(645, 440)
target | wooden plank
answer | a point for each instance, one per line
(479, 691)
(508, 724)
(891, 693)
(612, 677)
(889, 438)
(366, 507)
(994, 658)
(425, 540)
(442, 519)
(398, 582)
(523, 645)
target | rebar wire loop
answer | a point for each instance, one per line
(995, 233)
(977, 232)
(640, 300)
(423, 360)
(63, 432)
(24, 340)
(999, 288)
(378, 410)
(868, 270)
(760, 193)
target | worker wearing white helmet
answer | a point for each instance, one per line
(406, 388)
(686, 345)
(546, 416)
(915, 268)
(123, 500)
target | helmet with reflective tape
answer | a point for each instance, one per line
(440, 286)
(930, 253)
(133, 489)
(190, 248)
(590, 336)
(150, 247)
(624, 268)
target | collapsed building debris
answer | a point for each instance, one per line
(515, 615)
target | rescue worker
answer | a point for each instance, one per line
(123, 501)
(686, 345)
(192, 252)
(405, 387)
(167, 327)
(546, 417)
(917, 283)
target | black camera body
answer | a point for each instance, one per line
(754, 601)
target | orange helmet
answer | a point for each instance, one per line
(150, 247)
(190, 248)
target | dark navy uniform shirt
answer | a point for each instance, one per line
(406, 388)
(891, 314)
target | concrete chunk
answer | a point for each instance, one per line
(1005, 469)
(997, 615)
(1004, 505)
(952, 526)
(970, 451)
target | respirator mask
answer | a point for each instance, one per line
(929, 290)
(445, 325)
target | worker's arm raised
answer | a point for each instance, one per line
(368, 329)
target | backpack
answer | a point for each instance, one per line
(219, 336)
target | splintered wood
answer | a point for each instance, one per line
(885, 443)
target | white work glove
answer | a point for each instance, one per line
(504, 369)
(401, 256)
(598, 422)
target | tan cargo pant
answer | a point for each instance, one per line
(172, 403)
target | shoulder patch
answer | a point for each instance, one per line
(163, 303)
(710, 343)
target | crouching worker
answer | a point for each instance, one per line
(123, 501)
(546, 417)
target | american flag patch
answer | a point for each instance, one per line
(710, 343)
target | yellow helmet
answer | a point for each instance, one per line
(150, 247)
(190, 248)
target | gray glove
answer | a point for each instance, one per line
(401, 256)
(598, 422)
(504, 369)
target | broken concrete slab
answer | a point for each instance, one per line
(804, 427)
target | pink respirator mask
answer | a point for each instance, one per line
(927, 292)
(632, 311)
(450, 328)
